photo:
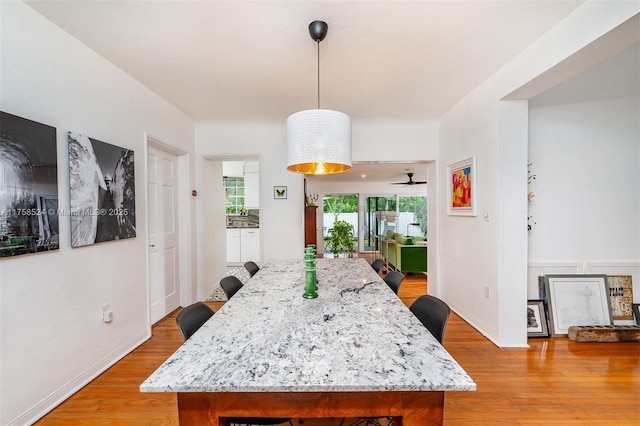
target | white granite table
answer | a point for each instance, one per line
(356, 350)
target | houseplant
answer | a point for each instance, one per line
(341, 238)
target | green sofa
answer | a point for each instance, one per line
(404, 254)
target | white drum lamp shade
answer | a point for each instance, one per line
(319, 142)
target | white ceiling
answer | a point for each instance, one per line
(255, 60)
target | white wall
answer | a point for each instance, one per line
(53, 339)
(478, 258)
(584, 143)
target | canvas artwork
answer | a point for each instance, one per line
(462, 188)
(28, 187)
(621, 296)
(102, 191)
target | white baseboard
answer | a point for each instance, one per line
(509, 343)
(65, 391)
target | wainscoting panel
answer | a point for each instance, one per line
(539, 269)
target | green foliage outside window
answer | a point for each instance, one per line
(342, 203)
(417, 206)
(234, 194)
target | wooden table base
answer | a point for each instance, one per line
(407, 408)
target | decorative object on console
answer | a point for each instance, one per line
(577, 300)
(102, 191)
(28, 187)
(462, 188)
(318, 140)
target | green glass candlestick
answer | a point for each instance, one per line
(310, 284)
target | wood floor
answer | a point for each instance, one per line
(555, 381)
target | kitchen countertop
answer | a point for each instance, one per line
(356, 336)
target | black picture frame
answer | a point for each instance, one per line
(29, 187)
(636, 312)
(537, 322)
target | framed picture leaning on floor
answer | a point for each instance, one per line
(577, 300)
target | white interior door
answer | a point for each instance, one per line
(164, 251)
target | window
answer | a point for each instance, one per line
(234, 192)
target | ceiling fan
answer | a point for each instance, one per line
(410, 181)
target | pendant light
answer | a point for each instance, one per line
(318, 140)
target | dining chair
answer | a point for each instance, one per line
(377, 265)
(230, 285)
(433, 313)
(189, 320)
(251, 268)
(394, 280)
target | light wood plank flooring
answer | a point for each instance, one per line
(555, 381)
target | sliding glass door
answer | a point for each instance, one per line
(379, 217)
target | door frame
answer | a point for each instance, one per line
(186, 289)
(202, 159)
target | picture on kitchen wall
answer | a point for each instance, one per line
(462, 188)
(28, 187)
(102, 191)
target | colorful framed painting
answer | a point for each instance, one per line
(462, 188)
(537, 325)
(280, 192)
(102, 191)
(28, 187)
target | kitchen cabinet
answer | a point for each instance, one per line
(250, 245)
(251, 190)
(233, 245)
(243, 244)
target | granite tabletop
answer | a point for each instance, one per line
(356, 336)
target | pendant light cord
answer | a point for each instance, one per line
(318, 74)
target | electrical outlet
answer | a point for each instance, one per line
(487, 292)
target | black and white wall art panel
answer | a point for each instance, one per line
(102, 191)
(28, 187)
